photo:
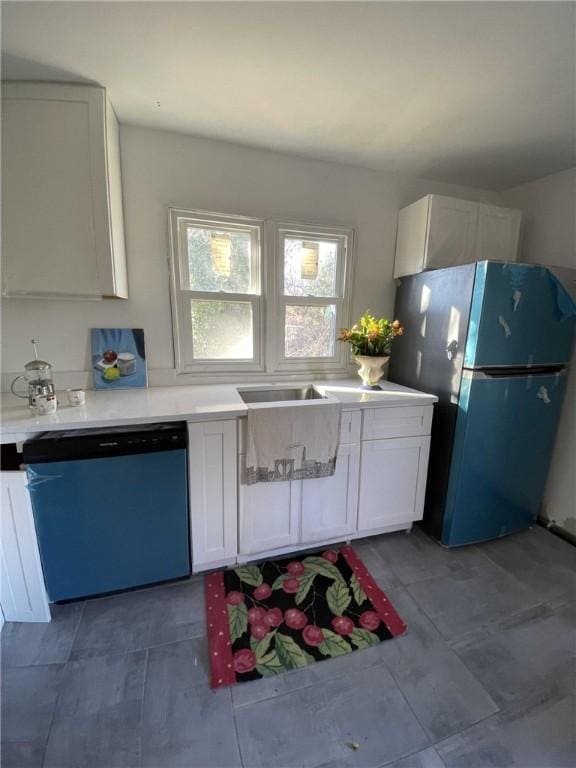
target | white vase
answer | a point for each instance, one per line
(371, 369)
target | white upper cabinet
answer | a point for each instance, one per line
(63, 228)
(439, 231)
(498, 233)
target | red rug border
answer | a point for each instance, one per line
(218, 630)
(377, 596)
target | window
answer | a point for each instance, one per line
(218, 292)
(311, 297)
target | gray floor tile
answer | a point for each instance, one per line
(289, 731)
(369, 710)
(416, 556)
(97, 721)
(539, 735)
(316, 726)
(537, 656)
(185, 723)
(541, 561)
(426, 759)
(443, 693)
(467, 600)
(25, 644)
(29, 697)
(22, 754)
(141, 619)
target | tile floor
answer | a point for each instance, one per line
(484, 676)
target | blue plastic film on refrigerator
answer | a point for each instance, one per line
(502, 448)
(521, 315)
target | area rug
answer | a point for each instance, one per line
(279, 615)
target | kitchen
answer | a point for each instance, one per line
(152, 184)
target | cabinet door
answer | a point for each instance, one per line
(498, 233)
(269, 514)
(330, 504)
(22, 591)
(451, 232)
(392, 481)
(63, 232)
(213, 492)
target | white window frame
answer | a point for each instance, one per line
(278, 301)
(182, 294)
(268, 305)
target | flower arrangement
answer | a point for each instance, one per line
(371, 337)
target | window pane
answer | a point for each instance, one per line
(310, 267)
(222, 330)
(310, 331)
(220, 260)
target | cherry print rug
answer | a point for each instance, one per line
(279, 615)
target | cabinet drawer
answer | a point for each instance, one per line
(405, 421)
(350, 427)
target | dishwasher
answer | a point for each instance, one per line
(110, 508)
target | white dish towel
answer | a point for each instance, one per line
(297, 442)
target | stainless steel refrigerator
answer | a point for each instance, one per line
(492, 340)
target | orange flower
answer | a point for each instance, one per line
(396, 324)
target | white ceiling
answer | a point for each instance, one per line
(481, 94)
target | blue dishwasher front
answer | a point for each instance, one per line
(110, 507)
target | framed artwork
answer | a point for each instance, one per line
(118, 358)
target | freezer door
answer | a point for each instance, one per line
(521, 315)
(503, 444)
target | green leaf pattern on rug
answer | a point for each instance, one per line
(277, 583)
(290, 653)
(306, 582)
(260, 647)
(357, 591)
(323, 567)
(238, 620)
(338, 598)
(363, 638)
(333, 644)
(249, 574)
(270, 665)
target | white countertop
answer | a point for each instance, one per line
(187, 403)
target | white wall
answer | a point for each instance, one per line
(161, 169)
(549, 208)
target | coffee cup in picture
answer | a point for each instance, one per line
(76, 396)
(126, 363)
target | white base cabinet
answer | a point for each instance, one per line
(277, 515)
(212, 481)
(22, 591)
(378, 486)
(330, 504)
(269, 514)
(392, 482)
